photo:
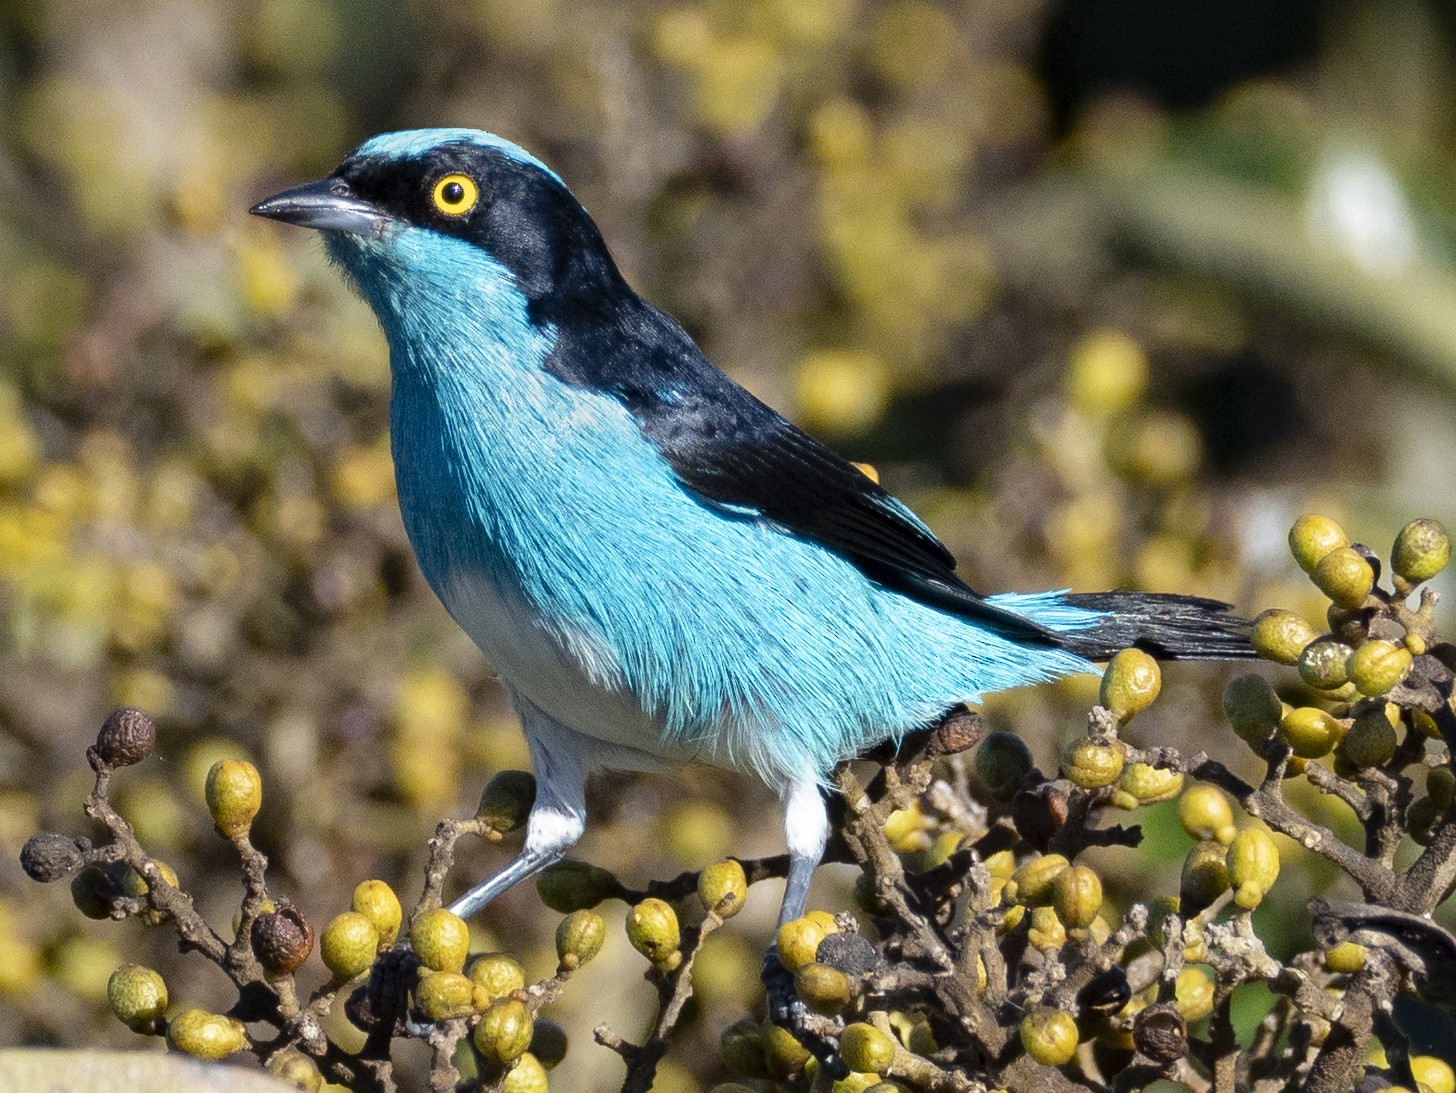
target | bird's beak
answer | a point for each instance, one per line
(327, 206)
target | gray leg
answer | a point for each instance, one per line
(561, 759)
(806, 829)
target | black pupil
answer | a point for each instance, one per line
(454, 193)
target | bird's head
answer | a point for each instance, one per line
(430, 211)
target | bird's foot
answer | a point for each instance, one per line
(788, 1011)
(383, 1001)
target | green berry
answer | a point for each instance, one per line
(1323, 664)
(653, 930)
(866, 1049)
(1312, 538)
(1344, 576)
(1090, 764)
(575, 886)
(1421, 550)
(206, 1035)
(495, 975)
(441, 940)
(442, 996)
(1049, 1035)
(825, 989)
(376, 901)
(1252, 708)
(1002, 763)
(1253, 862)
(348, 946)
(527, 1076)
(234, 795)
(1130, 683)
(723, 888)
(506, 801)
(505, 1031)
(295, 1068)
(1377, 667)
(138, 997)
(579, 937)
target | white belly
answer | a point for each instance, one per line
(566, 671)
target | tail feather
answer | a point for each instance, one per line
(1167, 625)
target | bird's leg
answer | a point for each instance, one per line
(557, 818)
(806, 829)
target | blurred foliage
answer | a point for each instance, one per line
(1112, 347)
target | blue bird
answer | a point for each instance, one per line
(659, 567)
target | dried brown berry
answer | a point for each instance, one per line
(48, 856)
(282, 941)
(127, 736)
(1160, 1033)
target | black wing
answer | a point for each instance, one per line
(732, 450)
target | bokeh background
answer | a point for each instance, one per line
(1109, 291)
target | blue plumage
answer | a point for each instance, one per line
(658, 567)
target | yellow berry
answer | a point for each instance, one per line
(1253, 862)
(504, 1032)
(1421, 550)
(377, 902)
(784, 1054)
(441, 940)
(1147, 784)
(723, 888)
(1312, 538)
(826, 989)
(445, 995)
(138, 997)
(1046, 931)
(1280, 636)
(1193, 994)
(866, 1049)
(579, 937)
(1034, 880)
(234, 794)
(349, 945)
(296, 1069)
(1077, 896)
(1106, 372)
(798, 942)
(495, 975)
(527, 1076)
(653, 930)
(1344, 576)
(1310, 732)
(1130, 683)
(1433, 1073)
(1205, 813)
(1091, 765)
(1379, 666)
(1346, 958)
(206, 1035)
(1049, 1035)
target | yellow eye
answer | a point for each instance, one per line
(456, 195)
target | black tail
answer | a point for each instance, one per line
(1169, 626)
